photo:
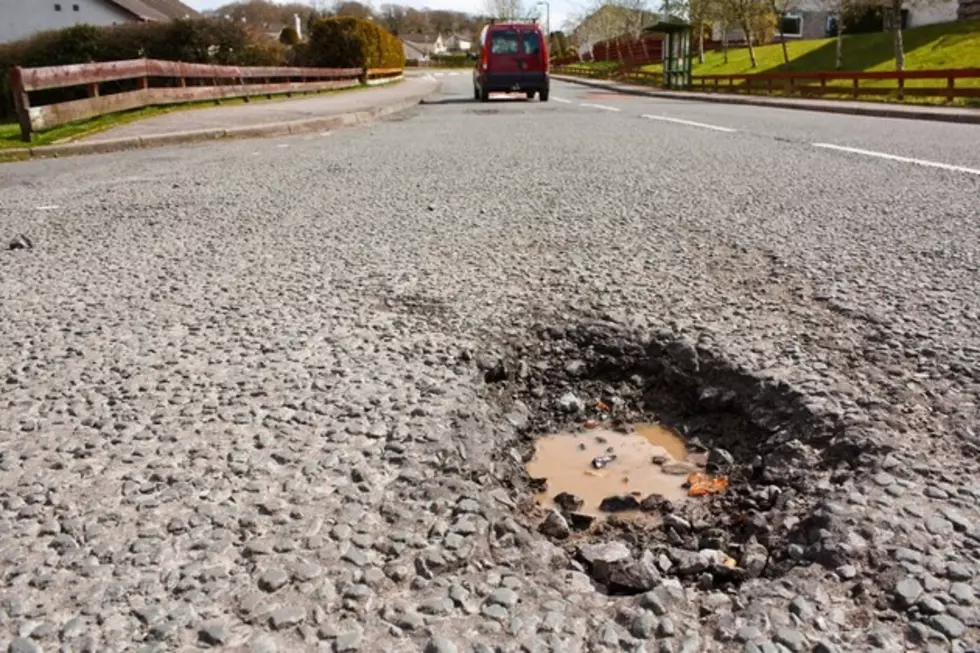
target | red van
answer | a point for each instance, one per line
(513, 58)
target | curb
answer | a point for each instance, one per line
(885, 111)
(266, 130)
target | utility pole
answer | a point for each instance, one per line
(547, 20)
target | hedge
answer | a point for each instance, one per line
(193, 41)
(347, 42)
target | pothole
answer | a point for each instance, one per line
(599, 471)
(768, 455)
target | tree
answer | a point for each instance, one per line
(393, 18)
(288, 36)
(353, 9)
(895, 16)
(702, 15)
(754, 17)
(263, 13)
(505, 9)
(779, 9)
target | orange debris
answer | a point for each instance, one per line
(700, 484)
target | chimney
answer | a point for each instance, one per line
(299, 26)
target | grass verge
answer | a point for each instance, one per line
(933, 47)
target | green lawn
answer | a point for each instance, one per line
(10, 141)
(947, 45)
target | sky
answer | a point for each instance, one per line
(561, 10)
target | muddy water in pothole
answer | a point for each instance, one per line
(651, 460)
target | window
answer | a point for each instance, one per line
(57, 7)
(532, 43)
(791, 25)
(504, 42)
(74, 8)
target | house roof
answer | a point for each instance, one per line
(413, 51)
(419, 38)
(156, 9)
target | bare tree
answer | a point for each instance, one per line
(393, 18)
(779, 9)
(751, 16)
(507, 9)
(353, 8)
(838, 9)
(896, 7)
(702, 14)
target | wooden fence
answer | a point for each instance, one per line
(898, 84)
(848, 84)
(97, 89)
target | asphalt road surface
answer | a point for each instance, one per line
(243, 402)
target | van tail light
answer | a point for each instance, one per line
(485, 66)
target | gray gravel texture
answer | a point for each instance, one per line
(242, 403)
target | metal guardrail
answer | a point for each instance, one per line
(150, 82)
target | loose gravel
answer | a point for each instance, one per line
(278, 399)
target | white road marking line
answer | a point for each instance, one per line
(599, 106)
(325, 133)
(440, 74)
(283, 145)
(689, 123)
(453, 74)
(47, 207)
(903, 159)
(562, 100)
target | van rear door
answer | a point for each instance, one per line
(532, 50)
(505, 49)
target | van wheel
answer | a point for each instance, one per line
(543, 94)
(530, 95)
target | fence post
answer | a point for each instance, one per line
(22, 103)
(901, 87)
(363, 78)
(950, 84)
(856, 95)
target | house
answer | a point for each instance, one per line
(419, 46)
(809, 19)
(414, 52)
(273, 31)
(20, 19)
(457, 44)
(969, 10)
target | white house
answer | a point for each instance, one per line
(426, 44)
(23, 18)
(811, 19)
(457, 43)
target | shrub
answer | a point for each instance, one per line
(347, 42)
(288, 36)
(453, 60)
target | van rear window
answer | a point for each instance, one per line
(532, 43)
(504, 42)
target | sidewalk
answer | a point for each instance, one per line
(875, 109)
(264, 118)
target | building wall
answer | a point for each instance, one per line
(22, 18)
(931, 13)
(969, 10)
